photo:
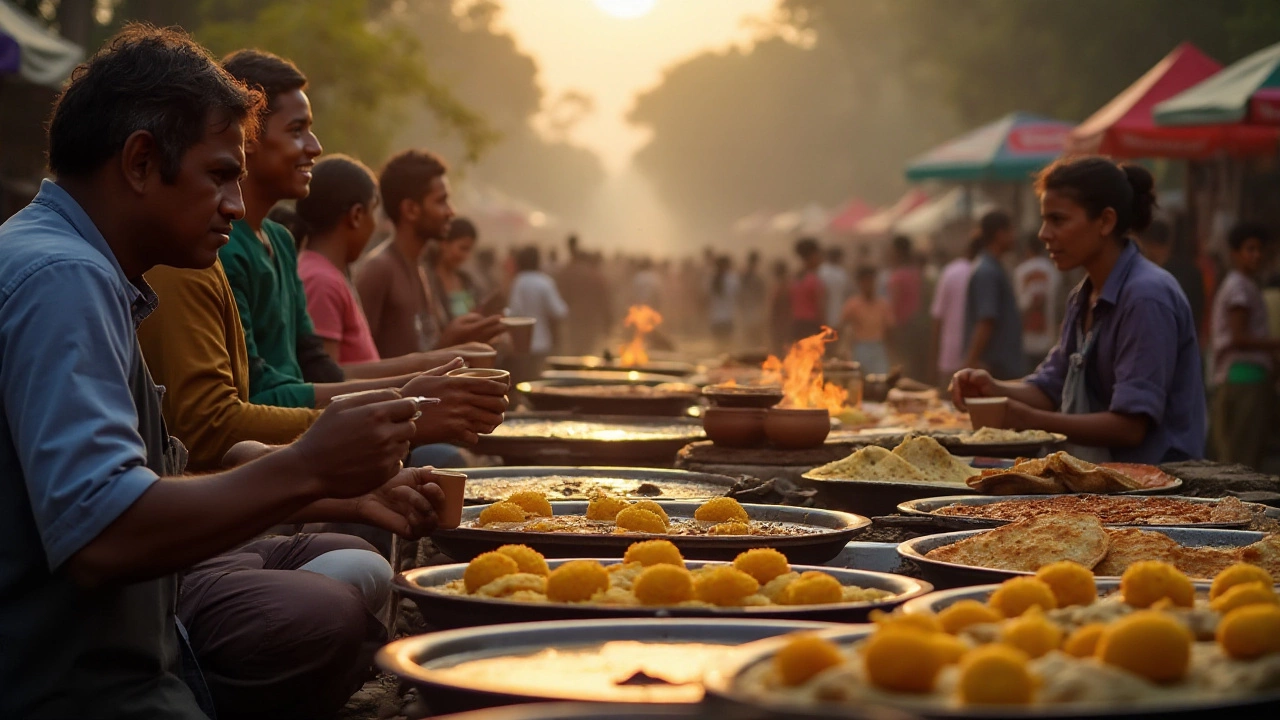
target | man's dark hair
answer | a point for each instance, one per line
(835, 255)
(407, 176)
(1245, 230)
(269, 74)
(528, 258)
(460, 228)
(338, 183)
(806, 247)
(902, 246)
(144, 78)
(991, 223)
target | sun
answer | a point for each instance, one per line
(626, 9)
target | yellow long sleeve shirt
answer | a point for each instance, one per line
(194, 345)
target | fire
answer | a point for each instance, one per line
(643, 319)
(800, 375)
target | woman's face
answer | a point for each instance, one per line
(454, 253)
(1069, 234)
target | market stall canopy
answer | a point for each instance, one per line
(846, 219)
(1125, 127)
(1009, 149)
(940, 212)
(1246, 92)
(43, 57)
(809, 219)
(882, 223)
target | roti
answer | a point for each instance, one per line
(1265, 554)
(870, 463)
(1130, 545)
(933, 461)
(1028, 545)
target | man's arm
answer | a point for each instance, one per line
(372, 285)
(1242, 338)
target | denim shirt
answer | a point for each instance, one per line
(75, 402)
(1146, 359)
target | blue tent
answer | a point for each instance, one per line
(1008, 150)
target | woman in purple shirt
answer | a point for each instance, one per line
(1124, 382)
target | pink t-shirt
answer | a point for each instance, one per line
(334, 310)
(804, 297)
(949, 298)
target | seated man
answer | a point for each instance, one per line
(146, 143)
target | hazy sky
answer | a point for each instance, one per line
(579, 45)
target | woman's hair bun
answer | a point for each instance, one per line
(1144, 195)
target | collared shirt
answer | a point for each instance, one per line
(990, 297)
(72, 460)
(1146, 360)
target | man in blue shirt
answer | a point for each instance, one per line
(147, 143)
(992, 323)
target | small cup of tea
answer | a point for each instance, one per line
(987, 411)
(502, 376)
(454, 486)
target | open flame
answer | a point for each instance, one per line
(643, 319)
(800, 375)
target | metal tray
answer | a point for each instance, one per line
(928, 507)
(874, 556)
(948, 575)
(541, 396)
(594, 711)
(417, 660)
(545, 450)
(592, 362)
(464, 543)
(486, 485)
(1030, 449)
(723, 694)
(939, 600)
(452, 611)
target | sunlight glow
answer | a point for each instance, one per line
(626, 9)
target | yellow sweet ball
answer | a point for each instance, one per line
(731, 528)
(1250, 632)
(1148, 643)
(529, 560)
(1018, 595)
(949, 647)
(803, 657)
(1071, 582)
(654, 508)
(996, 675)
(1238, 574)
(720, 510)
(724, 586)
(653, 552)
(603, 507)
(813, 588)
(533, 503)
(1083, 641)
(1145, 582)
(902, 661)
(917, 622)
(960, 615)
(501, 512)
(640, 520)
(486, 568)
(1238, 596)
(763, 564)
(663, 585)
(577, 581)
(1031, 633)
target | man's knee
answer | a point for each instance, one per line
(364, 570)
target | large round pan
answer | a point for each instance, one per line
(936, 602)
(544, 395)
(420, 660)
(832, 531)
(928, 507)
(533, 439)
(1031, 449)
(594, 711)
(949, 575)
(492, 484)
(450, 611)
(724, 692)
(590, 362)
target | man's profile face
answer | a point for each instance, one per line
(191, 217)
(282, 156)
(434, 211)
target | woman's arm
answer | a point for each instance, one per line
(1102, 429)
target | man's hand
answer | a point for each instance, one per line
(472, 327)
(246, 451)
(970, 382)
(438, 362)
(469, 408)
(358, 442)
(406, 505)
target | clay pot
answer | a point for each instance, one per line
(734, 427)
(797, 428)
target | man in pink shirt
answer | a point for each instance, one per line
(808, 294)
(948, 314)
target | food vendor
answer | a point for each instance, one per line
(1124, 381)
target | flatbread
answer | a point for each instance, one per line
(870, 463)
(1029, 545)
(1013, 483)
(1130, 545)
(1085, 477)
(933, 461)
(1265, 554)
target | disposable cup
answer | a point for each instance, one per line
(454, 486)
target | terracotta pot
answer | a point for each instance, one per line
(735, 427)
(797, 428)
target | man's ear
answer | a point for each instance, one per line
(355, 215)
(140, 159)
(409, 210)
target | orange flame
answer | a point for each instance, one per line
(800, 375)
(644, 319)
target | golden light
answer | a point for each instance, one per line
(626, 9)
(643, 319)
